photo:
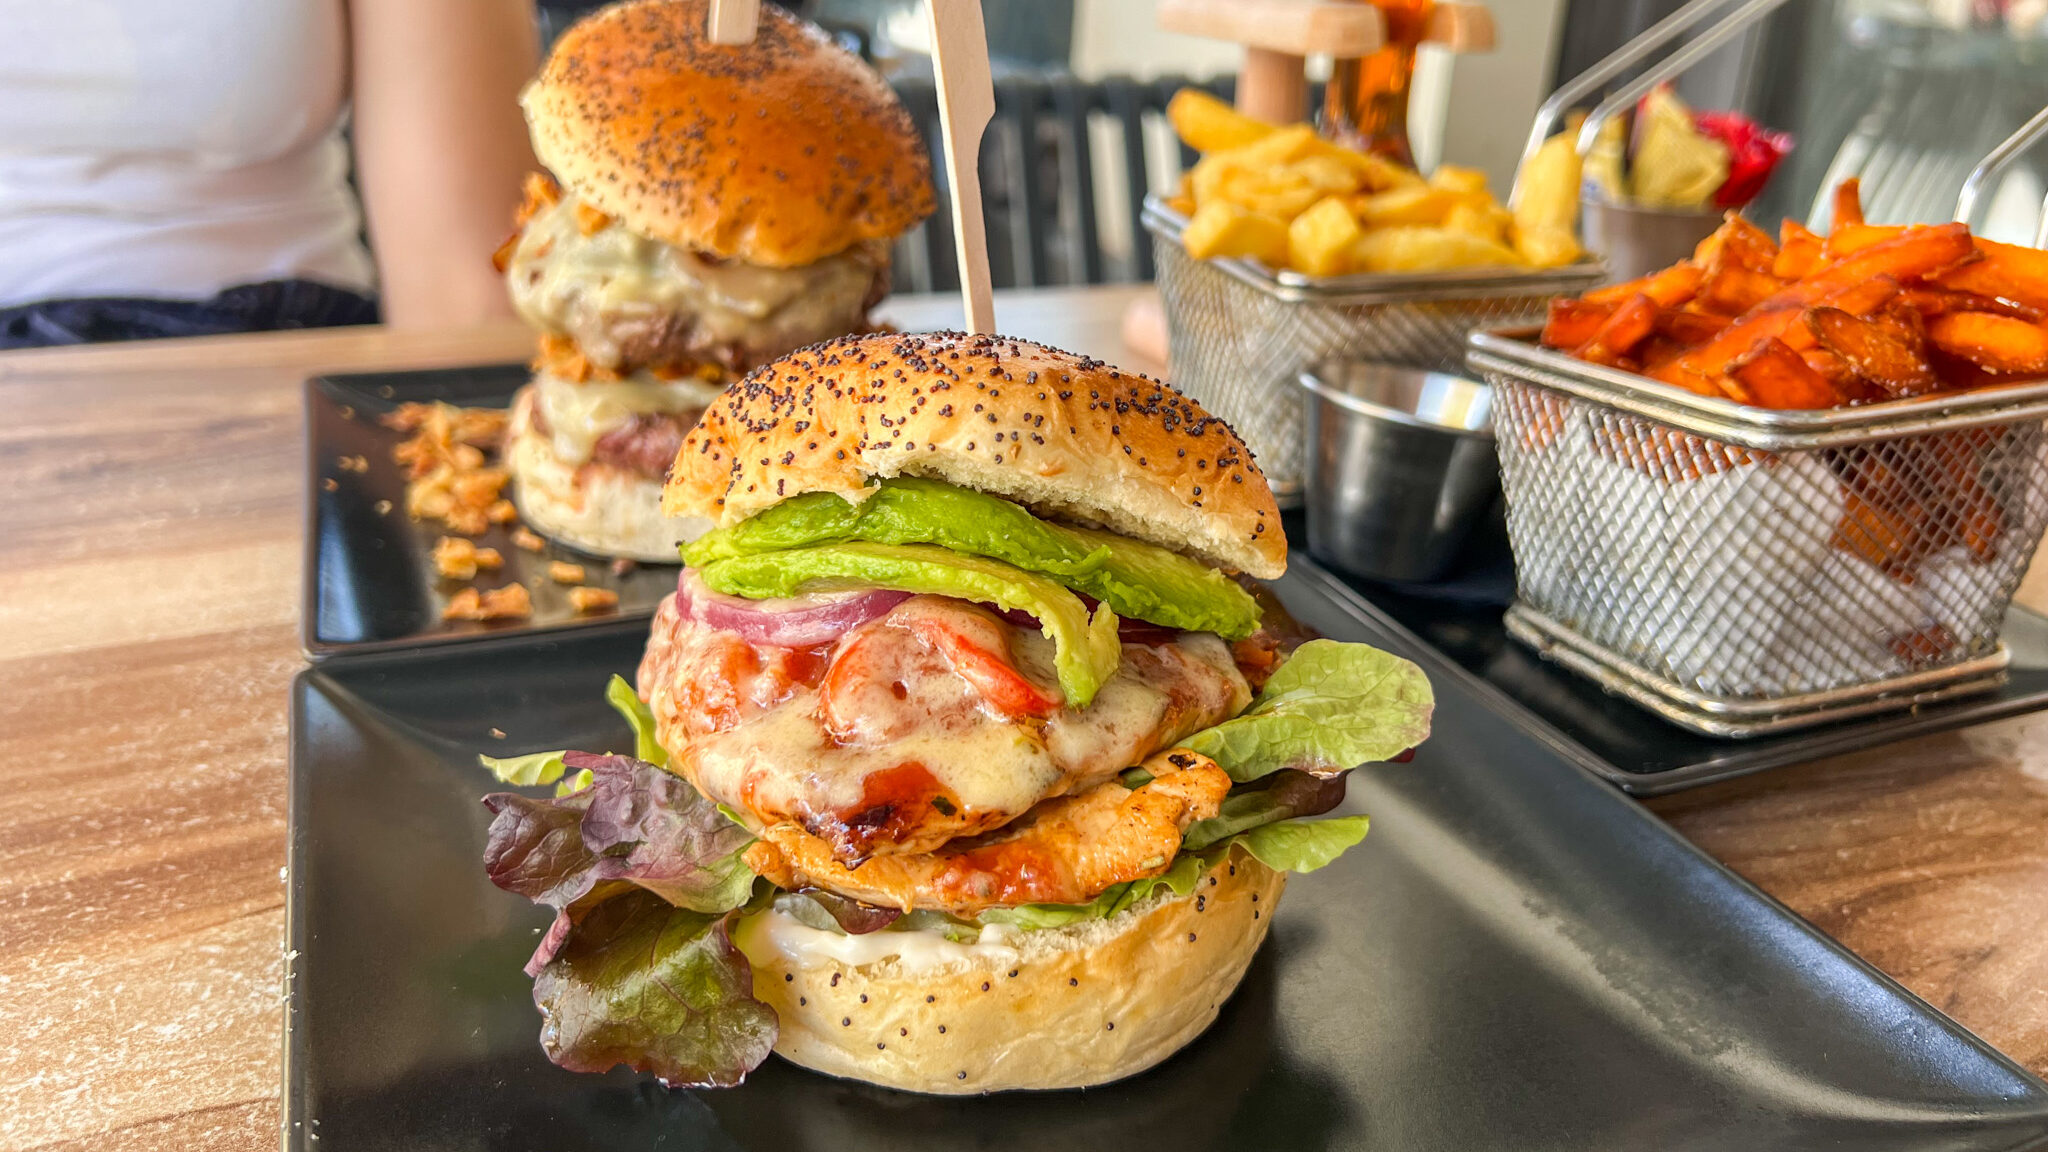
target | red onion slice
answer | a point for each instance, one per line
(800, 622)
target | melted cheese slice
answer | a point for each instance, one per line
(903, 713)
(597, 288)
(577, 415)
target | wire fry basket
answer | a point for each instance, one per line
(1240, 334)
(1742, 570)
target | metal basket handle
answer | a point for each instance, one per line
(1656, 37)
(1995, 163)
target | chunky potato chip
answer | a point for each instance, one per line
(1319, 240)
(1281, 146)
(1327, 173)
(1418, 249)
(1291, 199)
(1378, 173)
(1223, 229)
(1547, 189)
(1420, 204)
(1452, 178)
(1546, 245)
(1484, 219)
(1210, 125)
(1269, 190)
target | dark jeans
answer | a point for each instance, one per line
(263, 307)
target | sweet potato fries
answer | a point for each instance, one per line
(1864, 314)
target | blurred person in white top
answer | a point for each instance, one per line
(178, 167)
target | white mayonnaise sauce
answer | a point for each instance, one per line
(775, 933)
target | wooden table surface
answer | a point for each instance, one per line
(149, 566)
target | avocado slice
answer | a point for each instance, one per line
(1086, 651)
(1139, 580)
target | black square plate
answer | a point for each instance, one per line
(370, 579)
(1518, 957)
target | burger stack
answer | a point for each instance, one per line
(707, 209)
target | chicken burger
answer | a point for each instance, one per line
(969, 756)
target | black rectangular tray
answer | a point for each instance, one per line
(370, 583)
(1518, 957)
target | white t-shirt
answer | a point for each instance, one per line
(173, 148)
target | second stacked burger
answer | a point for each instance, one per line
(712, 207)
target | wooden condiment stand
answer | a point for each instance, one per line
(1374, 44)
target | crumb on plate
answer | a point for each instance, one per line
(591, 601)
(444, 458)
(508, 603)
(455, 558)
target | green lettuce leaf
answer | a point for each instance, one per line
(1137, 580)
(925, 920)
(635, 825)
(1086, 651)
(646, 877)
(656, 987)
(1328, 709)
(1302, 845)
(846, 914)
(527, 771)
(620, 696)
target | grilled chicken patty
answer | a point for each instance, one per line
(922, 726)
(1064, 851)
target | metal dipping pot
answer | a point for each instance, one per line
(1637, 240)
(1401, 466)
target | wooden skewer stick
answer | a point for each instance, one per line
(733, 21)
(967, 102)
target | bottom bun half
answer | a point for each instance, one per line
(596, 507)
(1067, 1007)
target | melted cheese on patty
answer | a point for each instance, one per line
(578, 415)
(612, 286)
(928, 759)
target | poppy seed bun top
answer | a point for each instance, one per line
(1067, 436)
(778, 153)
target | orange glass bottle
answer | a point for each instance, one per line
(1366, 103)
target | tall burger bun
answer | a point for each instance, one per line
(777, 153)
